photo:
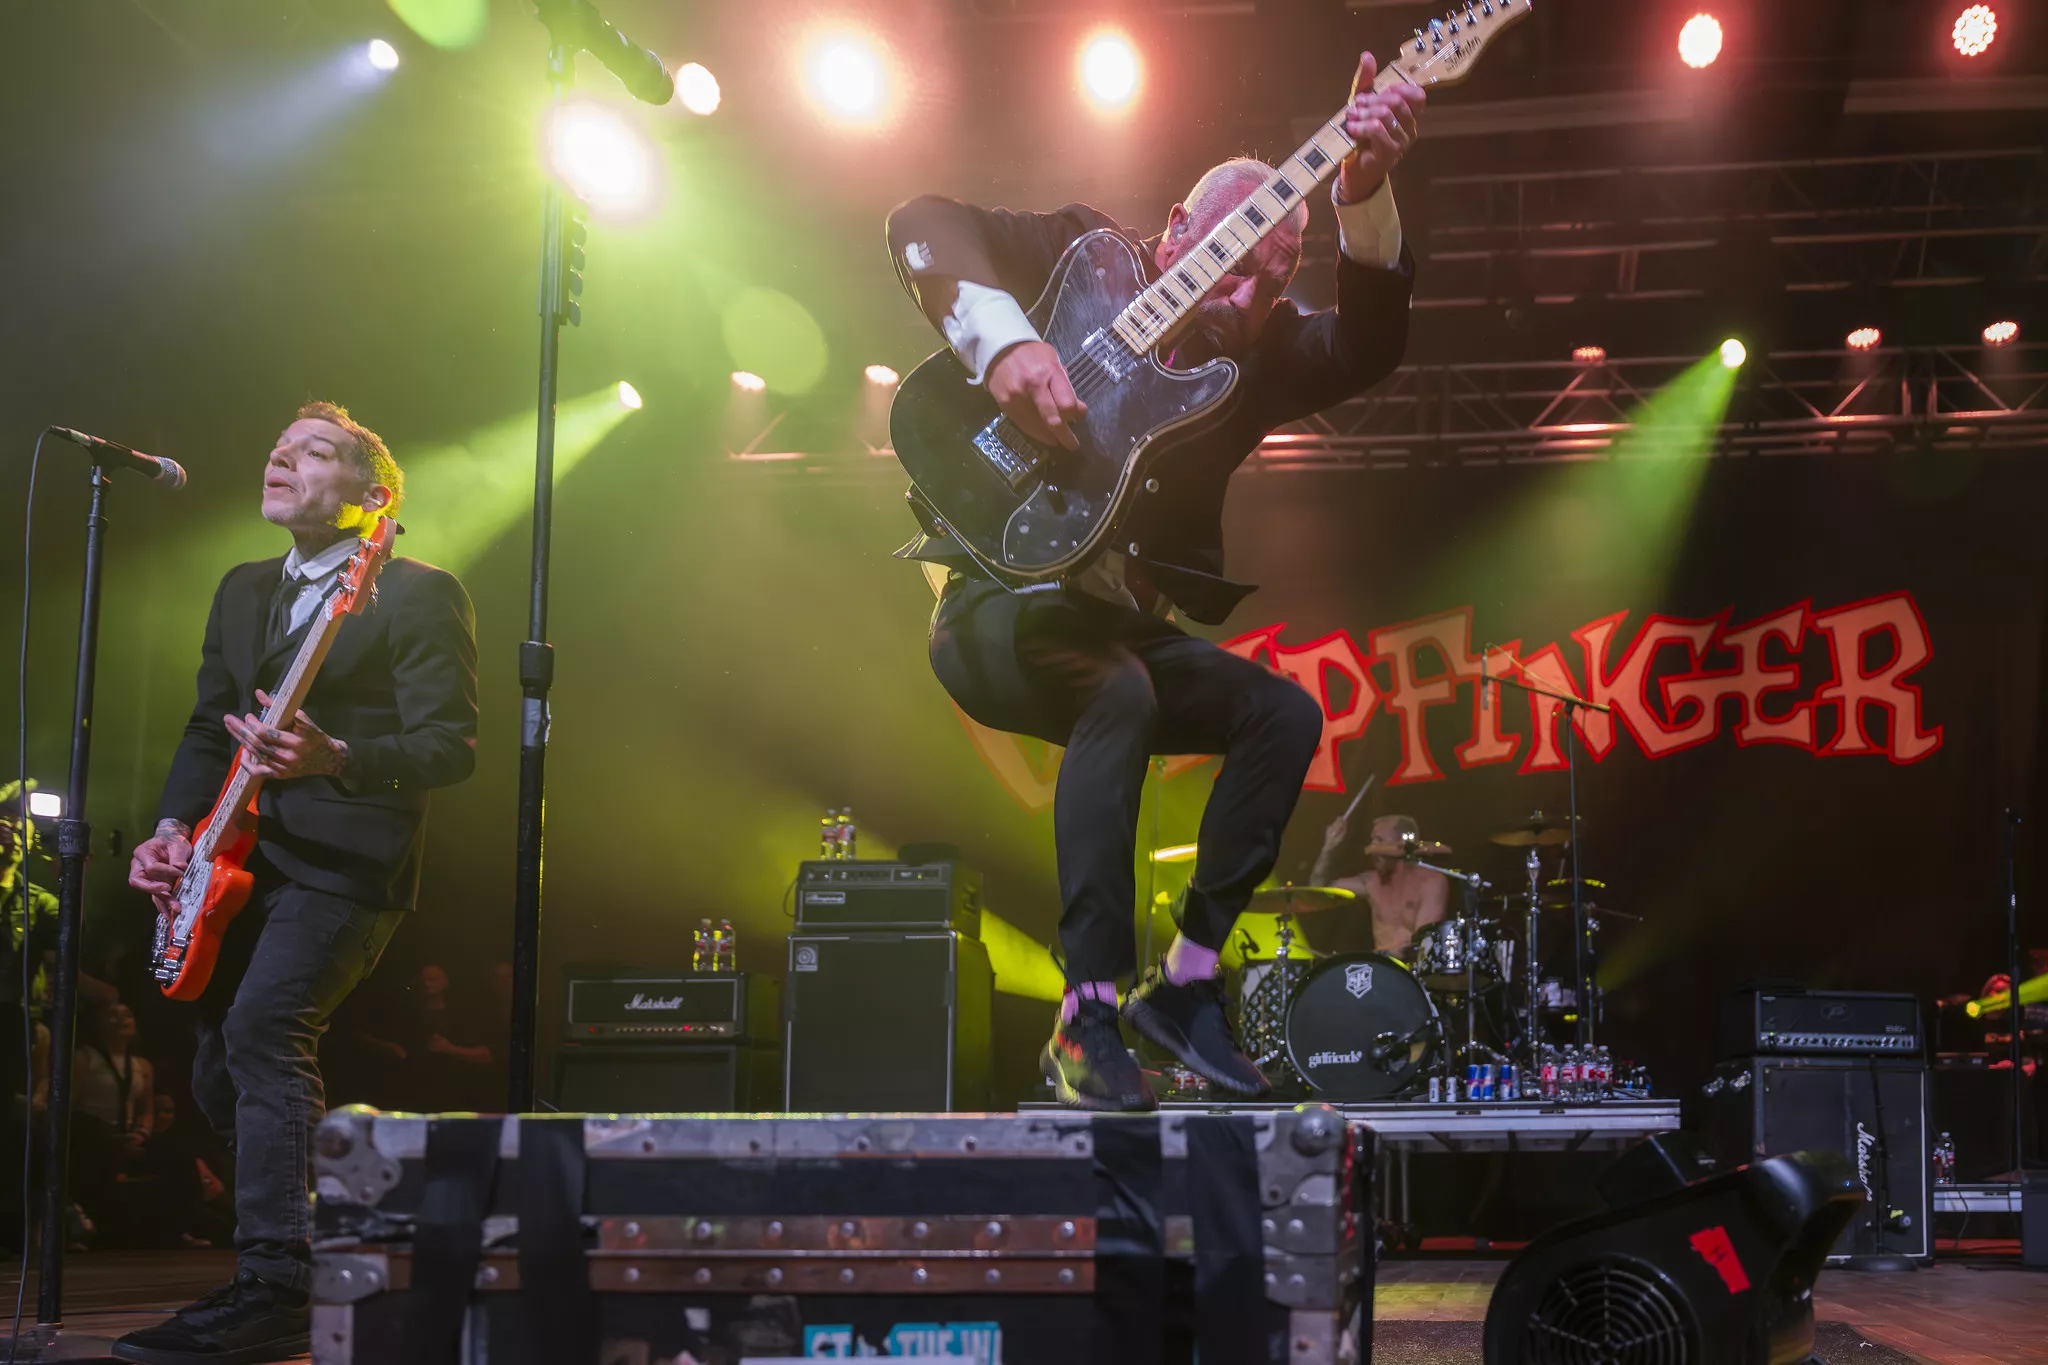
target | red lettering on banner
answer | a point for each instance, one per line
(1749, 682)
(1849, 630)
(1547, 668)
(1627, 690)
(1489, 744)
(1310, 665)
(1412, 694)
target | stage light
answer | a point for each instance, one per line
(601, 158)
(1699, 42)
(847, 77)
(1975, 30)
(46, 805)
(2001, 333)
(748, 382)
(629, 397)
(1589, 355)
(1733, 353)
(383, 55)
(697, 89)
(1864, 338)
(881, 376)
(1109, 71)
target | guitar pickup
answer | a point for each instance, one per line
(1012, 454)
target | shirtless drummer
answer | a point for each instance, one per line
(1405, 899)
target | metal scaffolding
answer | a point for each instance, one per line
(1787, 403)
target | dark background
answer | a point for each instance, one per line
(211, 217)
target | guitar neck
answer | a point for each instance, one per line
(1165, 304)
(242, 785)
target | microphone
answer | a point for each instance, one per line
(113, 455)
(578, 23)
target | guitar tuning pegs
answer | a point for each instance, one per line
(1418, 40)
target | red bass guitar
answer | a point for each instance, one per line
(216, 883)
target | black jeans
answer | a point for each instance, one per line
(1116, 686)
(289, 960)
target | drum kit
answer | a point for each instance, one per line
(1451, 1006)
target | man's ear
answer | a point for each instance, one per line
(376, 500)
(1178, 221)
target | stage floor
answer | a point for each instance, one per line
(1974, 1310)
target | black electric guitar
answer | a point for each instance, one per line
(1028, 512)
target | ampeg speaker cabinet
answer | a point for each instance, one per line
(667, 1078)
(671, 1006)
(1873, 1110)
(851, 893)
(886, 1022)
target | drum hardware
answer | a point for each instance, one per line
(1567, 719)
(1538, 831)
(1289, 899)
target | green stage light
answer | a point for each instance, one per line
(463, 495)
(629, 397)
(383, 55)
(1021, 964)
(1733, 353)
(444, 23)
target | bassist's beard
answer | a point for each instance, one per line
(1214, 329)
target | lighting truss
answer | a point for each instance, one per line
(1786, 403)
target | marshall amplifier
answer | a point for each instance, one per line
(848, 893)
(672, 1007)
(1795, 1022)
(1871, 1109)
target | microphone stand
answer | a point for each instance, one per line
(1582, 957)
(536, 655)
(74, 840)
(2015, 1012)
(1472, 882)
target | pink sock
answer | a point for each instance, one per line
(1187, 961)
(1070, 1003)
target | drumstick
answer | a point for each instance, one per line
(1361, 795)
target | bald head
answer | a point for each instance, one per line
(1231, 315)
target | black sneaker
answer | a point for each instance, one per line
(1189, 1022)
(1088, 1067)
(244, 1323)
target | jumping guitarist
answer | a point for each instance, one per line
(391, 715)
(1088, 661)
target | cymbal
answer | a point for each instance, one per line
(1299, 900)
(1593, 882)
(1538, 831)
(1421, 848)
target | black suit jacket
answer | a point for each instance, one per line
(1300, 364)
(398, 686)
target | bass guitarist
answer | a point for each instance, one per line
(391, 714)
(1090, 662)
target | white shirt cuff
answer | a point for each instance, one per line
(1369, 232)
(984, 323)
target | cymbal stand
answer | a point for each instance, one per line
(1473, 884)
(1532, 1010)
(1569, 702)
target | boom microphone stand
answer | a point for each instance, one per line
(1582, 957)
(572, 25)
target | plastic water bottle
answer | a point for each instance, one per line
(849, 834)
(1546, 1073)
(828, 835)
(1568, 1075)
(1945, 1161)
(700, 952)
(726, 958)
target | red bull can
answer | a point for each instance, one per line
(1472, 1081)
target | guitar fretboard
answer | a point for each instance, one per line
(1163, 305)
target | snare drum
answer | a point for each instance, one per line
(1449, 947)
(1361, 1027)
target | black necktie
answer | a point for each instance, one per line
(281, 603)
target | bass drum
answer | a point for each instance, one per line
(1347, 1009)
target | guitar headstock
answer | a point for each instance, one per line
(359, 580)
(1445, 52)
